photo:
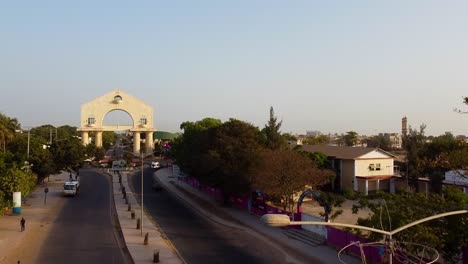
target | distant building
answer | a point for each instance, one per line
(404, 126)
(395, 139)
(296, 142)
(360, 169)
(313, 133)
(457, 179)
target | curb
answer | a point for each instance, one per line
(151, 248)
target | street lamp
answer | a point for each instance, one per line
(141, 217)
(142, 160)
(279, 220)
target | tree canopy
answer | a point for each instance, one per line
(272, 132)
(349, 139)
(284, 174)
(234, 157)
(390, 211)
(379, 141)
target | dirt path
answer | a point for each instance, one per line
(25, 246)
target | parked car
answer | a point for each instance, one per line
(155, 165)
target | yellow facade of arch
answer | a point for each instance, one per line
(94, 112)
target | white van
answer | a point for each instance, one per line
(71, 188)
(155, 165)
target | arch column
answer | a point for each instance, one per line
(136, 142)
(98, 139)
(149, 142)
(85, 137)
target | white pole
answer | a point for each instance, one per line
(390, 248)
(141, 193)
(29, 139)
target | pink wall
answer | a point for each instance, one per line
(237, 201)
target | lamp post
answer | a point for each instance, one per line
(279, 220)
(29, 140)
(142, 159)
(142, 156)
(141, 194)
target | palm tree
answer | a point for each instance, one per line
(8, 126)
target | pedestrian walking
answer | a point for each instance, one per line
(23, 224)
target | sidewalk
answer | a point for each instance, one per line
(133, 237)
(25, 246)
(210, 209)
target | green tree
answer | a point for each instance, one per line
(15, 180)
(192, 144)
(274, 140)
(285, 174)
(68, 154)
(379, 141)
(413, 143)
(288, 137)
(108, 139)
(231, 157)
(92, 151)
(47, 132)
(391, 211)
(350, 139)
(317, 140)
(40, 159)
(8, 127)
(331, 202)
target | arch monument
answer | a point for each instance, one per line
(94, 112)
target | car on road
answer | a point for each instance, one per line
(155, 165)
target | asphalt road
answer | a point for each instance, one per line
(83, 231)
(197, 239)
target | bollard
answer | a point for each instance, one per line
(133, 214)
(156, 256)
(145, 242)
(138, 223)
(129, 207)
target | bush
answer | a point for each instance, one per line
(350, 194)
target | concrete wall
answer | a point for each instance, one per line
(347, 174)
(362, 167)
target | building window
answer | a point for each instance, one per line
(377, 166)
(91, 120)
(372, 167)
(143, 121)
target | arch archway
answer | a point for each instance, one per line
(94, 112)
(317, 197)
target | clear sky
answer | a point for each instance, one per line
(332, 66)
